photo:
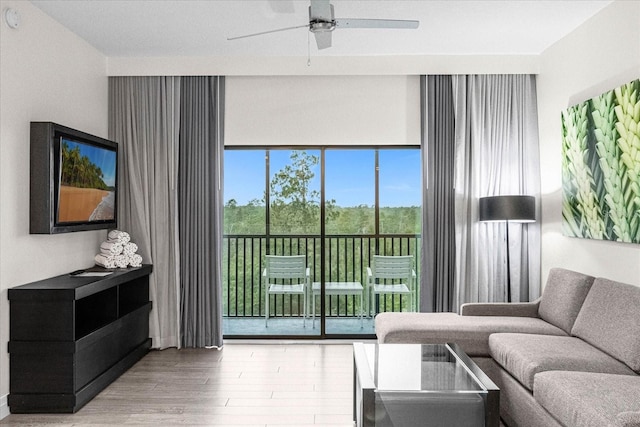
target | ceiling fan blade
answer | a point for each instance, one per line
(268, 32)
(321, 9)
(377, 23)
(323, 39)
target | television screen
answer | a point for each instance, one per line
(72, 180)
(87, 182)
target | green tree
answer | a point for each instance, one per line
(295, 207)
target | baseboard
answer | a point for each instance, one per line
(4, 408)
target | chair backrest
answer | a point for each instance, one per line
(285, 267)
(392, 267)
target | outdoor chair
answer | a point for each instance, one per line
(286, 275)
(391, 275)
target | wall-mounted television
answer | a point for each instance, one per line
(73, 180)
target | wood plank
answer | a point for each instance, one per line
(242, 384)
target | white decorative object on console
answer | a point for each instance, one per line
(118, 251)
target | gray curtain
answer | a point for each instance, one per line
(496, 154)
(200, 213)
(144, 120)
(437, 291)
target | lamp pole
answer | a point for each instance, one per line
(505, 209)
(508, 265)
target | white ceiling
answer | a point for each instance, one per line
(147, 28)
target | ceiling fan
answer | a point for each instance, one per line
(322, 22)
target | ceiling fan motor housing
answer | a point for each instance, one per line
(318, 26)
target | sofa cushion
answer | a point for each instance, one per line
(586, 399)
(610, 320)
(470, 332)
(628, 419)
(520, 309)
(525, 355)
(563, 296)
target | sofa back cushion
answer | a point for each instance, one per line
(563, 296)
(610, 320)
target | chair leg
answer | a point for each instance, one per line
(304, 310)
(372, 304)
(365, 296)
(266, 309)
(361, 312)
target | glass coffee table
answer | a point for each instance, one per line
(433, 385)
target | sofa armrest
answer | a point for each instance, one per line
(513, 309)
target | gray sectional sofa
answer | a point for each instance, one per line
(570, 358)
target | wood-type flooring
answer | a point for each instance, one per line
(286, 384)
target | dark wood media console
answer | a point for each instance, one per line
(71, 336)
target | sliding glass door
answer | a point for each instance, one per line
(338, 207)
(349, 239)
(372, 207)
(272, 207)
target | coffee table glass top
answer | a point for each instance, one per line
(420, 368)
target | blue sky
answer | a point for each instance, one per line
(104, 159)
(350, 175)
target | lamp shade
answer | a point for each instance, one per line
(508, 208)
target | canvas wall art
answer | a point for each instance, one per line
(601, 166)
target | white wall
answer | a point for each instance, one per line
(47, 73)
(322, 110)
(323, 65)
(601, 54)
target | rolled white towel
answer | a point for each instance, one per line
(129, 248)
(121, 261)
(111, 248)
(135, 260)
(114, 234)
(119, 236)
(105, 261)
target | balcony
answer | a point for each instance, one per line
(346, 260)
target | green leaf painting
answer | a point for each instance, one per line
(601, 166)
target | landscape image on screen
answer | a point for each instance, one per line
(87, 190)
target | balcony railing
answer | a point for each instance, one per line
(346, 259)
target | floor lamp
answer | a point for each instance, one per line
(508, 208)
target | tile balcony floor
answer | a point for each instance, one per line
(255, 326)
